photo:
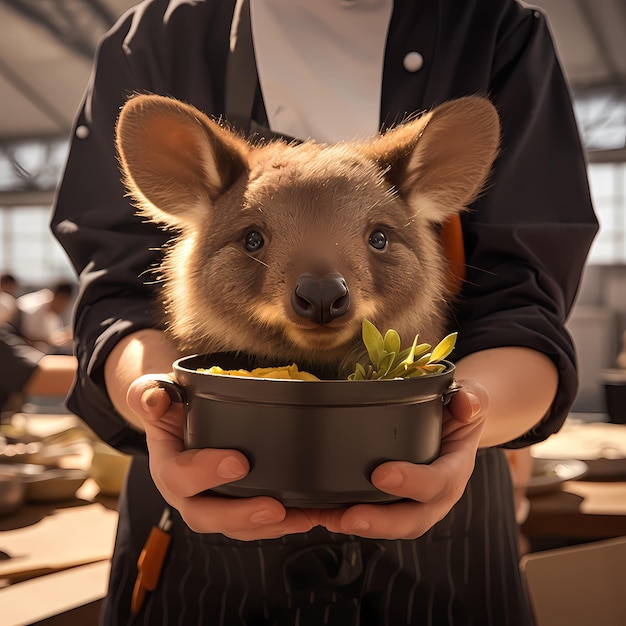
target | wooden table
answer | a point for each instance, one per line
(60, 555)
(60, 551)
(593, 507)
(71, 597)
(579, 509)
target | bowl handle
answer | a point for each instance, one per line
(175, 391)
(453, 389)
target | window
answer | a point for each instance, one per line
(29, 171)
(31, 165)
(28, 168)
(608, 190)
(28, 250)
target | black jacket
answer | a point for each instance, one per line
(526, 239)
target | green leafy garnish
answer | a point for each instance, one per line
(383, 357)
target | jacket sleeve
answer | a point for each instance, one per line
(176, 49)
(528, 236)
(109, 247)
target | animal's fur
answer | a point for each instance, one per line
(315, 207)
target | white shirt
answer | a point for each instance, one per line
(38, 323)
(311, 77)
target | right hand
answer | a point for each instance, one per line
(183, 475)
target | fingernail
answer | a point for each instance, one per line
(230, 467)
(263, 517)
(150, 399)
(474, 403)
(392, 478)
(359, 526)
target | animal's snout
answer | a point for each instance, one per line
(320, 298)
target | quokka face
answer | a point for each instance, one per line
(281, 250)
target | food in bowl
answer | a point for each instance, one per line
(380, 357)
(287, 372)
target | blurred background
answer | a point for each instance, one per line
(46, 53)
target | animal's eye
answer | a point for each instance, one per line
(253, 241)
(378, 240)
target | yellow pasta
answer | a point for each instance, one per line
(286, 372)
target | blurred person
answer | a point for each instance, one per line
(42, 317)
(447, 554)
(9, 284)
(8, 308)
(8, 292)
(25, 370)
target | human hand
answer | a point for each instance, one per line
(183, 475)
(429, 491)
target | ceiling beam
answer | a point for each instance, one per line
(33, 96)
(607, 156)
(107, 17)
(11, 199)
(599, 38)
(64, 22)
(38, 14)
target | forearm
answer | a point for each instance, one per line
(146, 351)
(521, 384)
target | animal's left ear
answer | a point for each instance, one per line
(440, 161)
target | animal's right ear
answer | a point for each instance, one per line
(174, 159)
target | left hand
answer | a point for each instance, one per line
(430, 491)
(182, 476)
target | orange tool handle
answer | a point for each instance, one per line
(149, 564)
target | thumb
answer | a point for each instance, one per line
(471, 402)
(147, 398)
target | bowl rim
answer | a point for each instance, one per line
(180, 365)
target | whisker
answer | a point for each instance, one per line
(257, 260)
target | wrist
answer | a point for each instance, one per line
(147, 351)
(521, 385)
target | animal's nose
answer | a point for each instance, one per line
(320, 298)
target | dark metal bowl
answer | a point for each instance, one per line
(310, 443)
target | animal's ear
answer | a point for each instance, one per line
(174, 159)
(440, 161)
